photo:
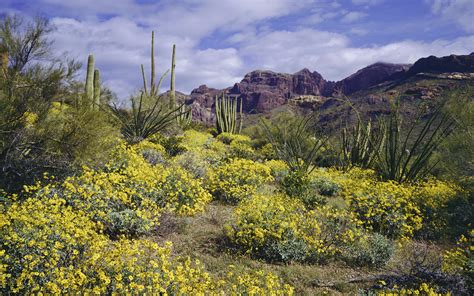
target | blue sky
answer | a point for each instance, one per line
(218, 41)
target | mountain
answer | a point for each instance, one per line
(261, 91)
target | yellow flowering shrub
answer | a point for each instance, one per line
(237, 179)
(278, 168)
(43, 241)
(122, 204)
(153, 153)
(460, 258)
(385, 207)
(50, 248)
(195, 140)
(433, 198)
(280, 228)
(267, 152)
(228, 138)
(424, 289)
(256, 282)
(177, 191)
(194, 162)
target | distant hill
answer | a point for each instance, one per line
(262, 91)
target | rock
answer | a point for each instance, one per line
(370, 76)
(447, 64)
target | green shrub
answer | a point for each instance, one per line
(237, 180)
(325, 186)
(126, 222)
(374, 251)
(299, 185)
(193, 162)
(279, 228)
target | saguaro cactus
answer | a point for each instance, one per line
(96, 89)
(92, 88)
(90, 79)
(172, 82)
(226, 115)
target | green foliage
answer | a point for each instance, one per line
(298, 185)
(294, 143)
(372, 251)
(403, 159)
(38, 133)
(150, 114)
(278, 228)
(226, 115)
(237, 180)
(360, 145)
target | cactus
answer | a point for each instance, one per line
(184, 115)
(96, 89)
(90, 79)
(92, 88)
(406, 158)
(226, 115)
(172, 82)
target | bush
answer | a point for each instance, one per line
(278, 228)
(50, 248)
(177, 191)
(126, 222)
(385, 207)
(325, 186)
(434, 197)
(193, 162)
(373, 251)
(299, 185)
(153, 153)
(279, 169)
(237, 180)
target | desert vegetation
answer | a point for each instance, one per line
(97, 199)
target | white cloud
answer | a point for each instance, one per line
(367, 2)
(457, 11)
(353, 16)
(121, 41)
(332, 55)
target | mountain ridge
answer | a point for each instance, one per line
(263, 90)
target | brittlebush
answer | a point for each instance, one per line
(237, 180)
(51, 248)
(280, 228)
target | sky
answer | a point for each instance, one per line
(219, 41)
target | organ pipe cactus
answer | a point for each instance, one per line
(226, 115)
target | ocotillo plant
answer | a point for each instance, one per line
(360, 145)
(407, 157)
(226, 115)
(92, 87)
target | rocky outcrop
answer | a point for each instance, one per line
(370, 76)
(262, 91)
(448, 64)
